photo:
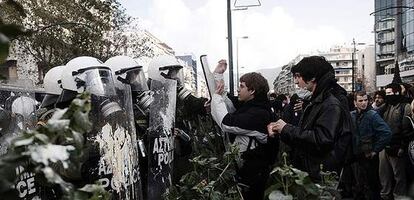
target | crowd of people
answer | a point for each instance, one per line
(363, 137)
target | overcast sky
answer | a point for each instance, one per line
(278, 30)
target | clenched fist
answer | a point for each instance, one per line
(221, 67)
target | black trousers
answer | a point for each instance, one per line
(252, 180)
(367, 185)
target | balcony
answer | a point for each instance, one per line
(389, 41)
(385, 59)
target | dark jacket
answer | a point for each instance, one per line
(394, 116)
(373, 133)
(289, 114)
(250, 119)
(324, 133)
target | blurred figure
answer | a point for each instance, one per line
(292, 111)
(277, 103)
(406, 92)
(379, 100)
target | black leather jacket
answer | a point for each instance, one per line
(324, 133)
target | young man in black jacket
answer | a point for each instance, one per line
(247, 125)
(324, 133)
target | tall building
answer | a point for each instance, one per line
(394, 39)
(284, 83)
(365, 75)
(191, 62)
(342, 59)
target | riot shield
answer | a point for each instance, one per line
(112, 157)
(211, 85)
(160, 137)
(208, 75)
(17, 114)
(124, 92)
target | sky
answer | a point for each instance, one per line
(277, 31)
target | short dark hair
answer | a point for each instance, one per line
(380, 93)
(395, 87)
(359, 93)
(255, 81)
(312, 67)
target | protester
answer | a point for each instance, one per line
(247, 125)
(379, 99)
(373, 134)
(323, 136)
(392, 166)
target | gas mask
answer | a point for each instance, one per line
(98, 81)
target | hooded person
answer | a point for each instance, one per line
(392, 166)
(324, 134)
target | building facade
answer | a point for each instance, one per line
(284, 83)
(190, 61)
(394, 40)
(342, 58)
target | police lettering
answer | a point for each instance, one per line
(163, 147)
(26, 184)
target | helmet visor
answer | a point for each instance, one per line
(98, 81)
(173, 72)
(136, 80)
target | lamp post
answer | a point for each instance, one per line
(230, 39)
(237, 58)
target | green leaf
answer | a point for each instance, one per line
(42, 137)
(23, 141)
(278, 195)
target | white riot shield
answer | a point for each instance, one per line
(160, 138)
(208, 75)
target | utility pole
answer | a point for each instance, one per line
(353, 66)
(353, 62)
(230, 47)
(237, 58)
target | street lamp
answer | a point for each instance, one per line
(237, 58)
(230, 39)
